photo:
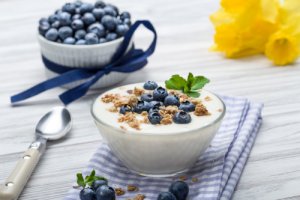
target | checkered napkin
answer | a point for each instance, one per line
(218, 169)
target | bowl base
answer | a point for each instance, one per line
(173, 174)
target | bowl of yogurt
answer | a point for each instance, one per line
(156, 131)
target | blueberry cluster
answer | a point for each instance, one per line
(178, 190)
(85, 23)
(151, 103)
(98, 191)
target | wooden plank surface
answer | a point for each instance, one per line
(185, 35)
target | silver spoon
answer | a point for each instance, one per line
(52, 126)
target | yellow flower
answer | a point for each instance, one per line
(282, 48)
(242, 28)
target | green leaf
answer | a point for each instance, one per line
(193, 94)
(80, 180)
(100, 178)
(190, 80)
(176, 82)
(90, 178)
(199, 82)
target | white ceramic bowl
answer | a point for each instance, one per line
(158, 154)
(83, 56)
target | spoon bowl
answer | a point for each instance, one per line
(55, 124)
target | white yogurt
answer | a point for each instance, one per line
(213, 105)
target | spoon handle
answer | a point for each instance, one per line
(22, 172)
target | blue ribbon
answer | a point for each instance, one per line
(123, 62)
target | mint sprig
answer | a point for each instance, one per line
(189, 86)
(88, 180)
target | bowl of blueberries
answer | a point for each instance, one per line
(83, 35)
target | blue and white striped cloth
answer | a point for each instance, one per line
(218, 169)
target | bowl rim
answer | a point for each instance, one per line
(198, 130)
(60, 45)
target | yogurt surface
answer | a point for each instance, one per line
(103, 114)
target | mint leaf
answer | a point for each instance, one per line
(80, 180)
(199, 82)
(100, 178)
(189, 86)
(190, 80)
(90, 179)
(176, 82)
(193, 94)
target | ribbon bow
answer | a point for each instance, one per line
(131, 61)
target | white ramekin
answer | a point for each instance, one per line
(83, 56)
(155, 154)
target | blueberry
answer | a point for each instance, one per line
(86, 7)
(127, 21)
(180, 189)
(159, 94)
(125, 15)
(147, 97)
(141, 106)
(77, 24)
(69, 7)
(58, 11)
(69, 40)
(111, 36)
(80, 34)
(53, 18)
(88, 18)
(64, 18)
(187, 106)
(105, 192)
(87, 194)
(76, 16)
(182, 117)
(166, 196)
(43, 21)
(96, 184)
(109, 22)
(122, 29)
(77, 3)
(115, 8)
(98, 13)
(156, 104)
(109, 11)
(154, 117)
(91, 38)
(125, 109)
(154, 109)
(55, 24)
(150, 85)
(65, 32)
(97, 28)
(171, 100)
(102, 40)
(51, 34)
(43, 28)
(80, 42)
(100, 4)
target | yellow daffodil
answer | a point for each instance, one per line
(243, 27)
(282, 48)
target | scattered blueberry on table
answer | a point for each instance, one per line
(80, 23)
(178, 190)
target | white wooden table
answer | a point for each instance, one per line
(185, 35)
